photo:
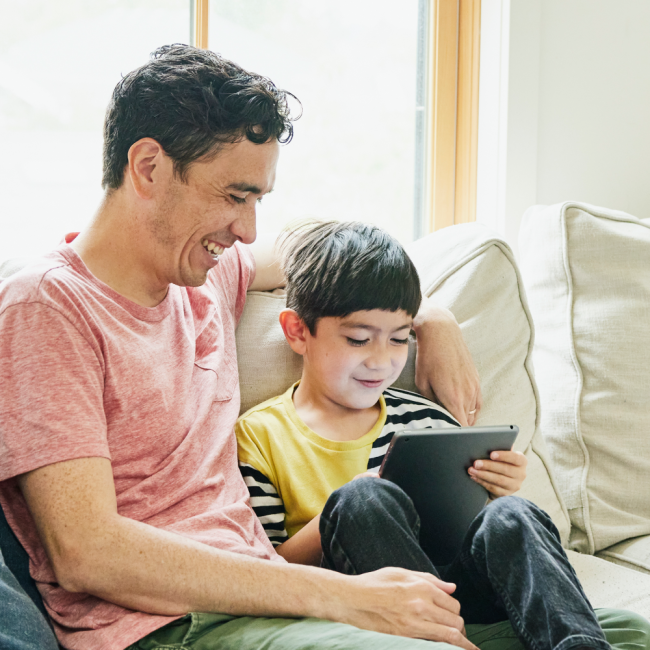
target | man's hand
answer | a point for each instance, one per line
(406, 603)
(503, 474)
(444, 368)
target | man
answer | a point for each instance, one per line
(119, 395)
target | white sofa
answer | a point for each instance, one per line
(471, 270)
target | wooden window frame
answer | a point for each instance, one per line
(454, 48)
(199, 21)
(451, 132)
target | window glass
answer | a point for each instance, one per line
(352, 64)
(59, 62)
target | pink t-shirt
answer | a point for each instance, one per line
(86, 372)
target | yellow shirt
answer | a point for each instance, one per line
(303, 467)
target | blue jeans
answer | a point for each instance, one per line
(22, 626)
(511, 565)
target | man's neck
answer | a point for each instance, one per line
(113, 249)
(331, 420)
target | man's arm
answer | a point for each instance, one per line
(444, 368)
(95, 550)
(268, 275)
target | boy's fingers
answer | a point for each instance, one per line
(505, 469)
(495, 490)
(497, 480)
(512, 457)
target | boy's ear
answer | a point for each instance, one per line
(295, 330)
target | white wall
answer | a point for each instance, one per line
(564, 109)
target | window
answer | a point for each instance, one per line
(384, 96)
(59, 62)
(352, 64)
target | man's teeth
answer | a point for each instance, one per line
(212, 248)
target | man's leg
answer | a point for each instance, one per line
(624, 630)
(222, 632)
(22, 626)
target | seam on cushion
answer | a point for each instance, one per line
(507, 252)
(626, 559)
(584, 497)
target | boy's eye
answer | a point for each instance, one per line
(356, 342)
(400, 341)
(238, 199)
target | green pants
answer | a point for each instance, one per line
(624, 630)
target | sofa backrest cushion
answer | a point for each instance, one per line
(587, 276)
(470, 270)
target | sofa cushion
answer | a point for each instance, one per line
(470, 270)
(632, 553)
(608, 585)
(587, 277)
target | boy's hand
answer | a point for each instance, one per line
(370, 474)
(503, 474)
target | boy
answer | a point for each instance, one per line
(352, 293)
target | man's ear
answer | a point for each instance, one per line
(295, 330)
(148, 164)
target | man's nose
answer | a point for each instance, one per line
(245, 226)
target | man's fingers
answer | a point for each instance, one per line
(447, 587)
(450, 635)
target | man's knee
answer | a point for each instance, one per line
(624, 628)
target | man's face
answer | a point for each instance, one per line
(352, 360)
(197, 219)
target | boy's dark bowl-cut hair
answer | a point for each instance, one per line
(192, 102)
(337, 268)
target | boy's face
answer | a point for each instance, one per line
(351, 360)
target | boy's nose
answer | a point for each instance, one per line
(379, 360)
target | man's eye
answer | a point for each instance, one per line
(238, 199)
(400, 341)
(356, 342)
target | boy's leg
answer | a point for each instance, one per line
(222, 632)
(512, 560)
(369, 524)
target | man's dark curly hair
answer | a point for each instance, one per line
(191, 101)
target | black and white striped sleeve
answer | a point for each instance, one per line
(266, 503)
(406, 410)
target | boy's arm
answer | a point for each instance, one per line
(266, 503)
(304, 547)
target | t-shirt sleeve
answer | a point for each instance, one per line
(51, 402)
(264, 498)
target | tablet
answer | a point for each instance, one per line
(431, 465)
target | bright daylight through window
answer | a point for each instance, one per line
(352, 63)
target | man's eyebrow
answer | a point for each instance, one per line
(246, 187)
